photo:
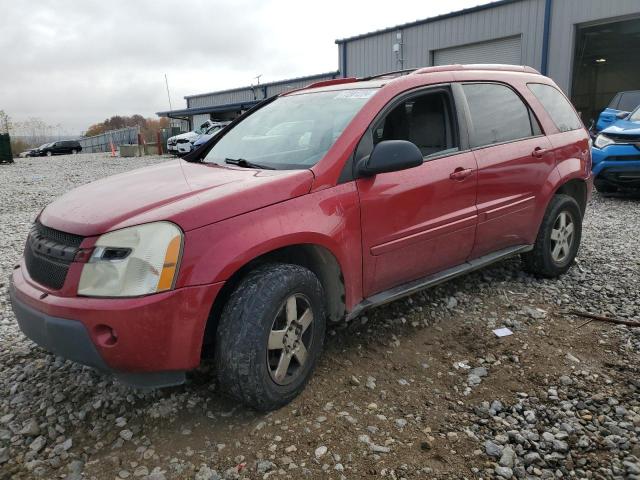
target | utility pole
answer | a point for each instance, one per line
(166, 81)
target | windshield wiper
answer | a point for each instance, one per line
(241, 162)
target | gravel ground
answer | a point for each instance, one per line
(420, 388)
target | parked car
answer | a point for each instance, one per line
(32, 152)
(616, 156)
(61, 147)
(619, 107)
(206, 136)
(187, 138)
(249, 246)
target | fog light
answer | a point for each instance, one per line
(105, 335)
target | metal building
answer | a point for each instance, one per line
(586, 46)
(228, 104)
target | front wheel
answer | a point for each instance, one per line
(74, 151)
(270, 335)
(49, 153)
(558, 238)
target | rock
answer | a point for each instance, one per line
(400, 423)
(566, 380)
(354, 381)
(371, 383)
(264, 466)
(379, 448)
(126, 435)
(532, 458)
(492, 449)
(504, 472)
(321, 451)
(38, 443)
(30, 428)
(572, 358)
(4, 455)
(508, 457)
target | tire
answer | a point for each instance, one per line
(74, 151)
(49, 153)
(247, 367)
(605, 188)
(552, 257)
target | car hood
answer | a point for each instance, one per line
(188, 136)
(190, 194)
(624, 127)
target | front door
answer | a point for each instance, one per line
(421, 220)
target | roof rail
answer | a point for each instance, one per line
(333, 81)
(386, 74)
(479, 66)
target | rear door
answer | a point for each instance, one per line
(421, 220)
(514, 160)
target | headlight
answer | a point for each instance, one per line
(133, 261)
(602, 141)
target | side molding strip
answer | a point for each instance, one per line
(432, 280)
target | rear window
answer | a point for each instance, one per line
(557, 106)
(629, 101)
(497, 114)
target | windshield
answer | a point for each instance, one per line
(635, 116)
(291, 132)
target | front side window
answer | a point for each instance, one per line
(635, 115)
(497, 115)
(292, 132)
(557, 106)
(425, 120)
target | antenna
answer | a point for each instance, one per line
(168, 95)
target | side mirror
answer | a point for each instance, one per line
(390, 156)
(621, 115)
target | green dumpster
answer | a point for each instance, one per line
(5, 148)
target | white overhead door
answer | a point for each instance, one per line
(505, 50)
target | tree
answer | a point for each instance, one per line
(5, 122)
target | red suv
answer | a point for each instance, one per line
(314, 206)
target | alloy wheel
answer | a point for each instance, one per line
(562, 237)
(290, 339)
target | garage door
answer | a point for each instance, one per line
(504, 50)
(198, 120)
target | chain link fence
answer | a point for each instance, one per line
(102, 142)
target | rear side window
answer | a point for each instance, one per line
(557, 106)
(629, 101)
(497, 115)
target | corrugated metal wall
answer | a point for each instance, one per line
(504, 50)
(374, 54)
(565, 15)
(249, 94)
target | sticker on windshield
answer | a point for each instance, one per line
(357, 93)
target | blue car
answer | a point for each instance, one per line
(616, 155)
(206, 136)
(619, 107)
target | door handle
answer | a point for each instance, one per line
(460, 173)
(539, 152)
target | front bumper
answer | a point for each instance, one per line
(157, 337)
(617, 165)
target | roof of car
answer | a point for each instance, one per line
(377, 81)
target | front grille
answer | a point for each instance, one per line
(624, 158)
(49, 253)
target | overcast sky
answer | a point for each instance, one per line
(77, 62)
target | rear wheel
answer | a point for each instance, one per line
(270, 335)
(74, 151)
(558, 238)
